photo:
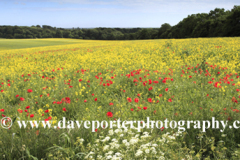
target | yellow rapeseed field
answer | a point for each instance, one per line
(150, 54)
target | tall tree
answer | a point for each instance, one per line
(164, 27)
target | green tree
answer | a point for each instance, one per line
(59, 34)
(144, 34)
(164, 27)
(232, 25)
(67, 34)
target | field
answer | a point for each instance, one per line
(6, 44)
(174, 79)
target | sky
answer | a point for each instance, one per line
(104, 13)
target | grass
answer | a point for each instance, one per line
(6, 44)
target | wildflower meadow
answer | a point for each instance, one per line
(174, 79)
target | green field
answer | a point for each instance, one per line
(6, 44)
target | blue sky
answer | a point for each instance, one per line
(104, 13)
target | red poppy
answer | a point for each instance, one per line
(144, 108)
(136, 100)
(64, 109)
(166, 89)
(131, 109)
(129, 99)
(67, 100)
(95, 99)
(169, 100)
(19, 110)
(47, 111)
(150, 100)
(109, 114)
(59, 102)
(150, 81)
(110, 103)
(32, 115)
(216, 84)
(234, 100)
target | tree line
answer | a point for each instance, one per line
(216, 23)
